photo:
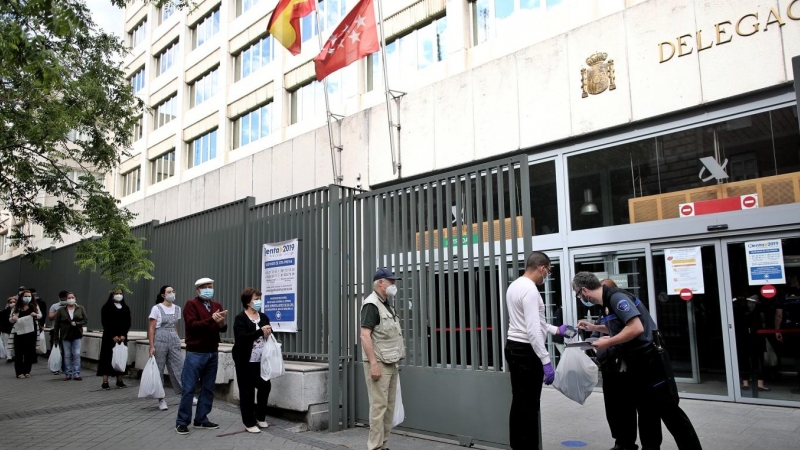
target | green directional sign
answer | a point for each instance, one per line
(454, 240)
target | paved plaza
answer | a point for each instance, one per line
(46, 412)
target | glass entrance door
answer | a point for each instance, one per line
(689, 290)
(764, 304)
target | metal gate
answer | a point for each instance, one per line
(454, 238)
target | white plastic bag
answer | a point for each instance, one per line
(271, 359)
(3, 353)
(399, 411)
(576, 375)
(41, 345)
(54, 362)
(151, 386)
(119, 358)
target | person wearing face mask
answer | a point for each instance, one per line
(250, 328)
(651, 387)
(6, 328)
(62, 301)
(69, 323)
(525, 351)
(115, 316)
(25, 317)
(382, 347)
(204, 319)
(165, 344)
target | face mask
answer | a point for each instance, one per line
(257, 305)
(587, 304)
(170, 297)
(62, 302)
(26, 299)
(71, 301)
(118, 298)
(12, 305)
(391, 291)
(206, 293)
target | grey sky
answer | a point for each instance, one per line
(106, 16)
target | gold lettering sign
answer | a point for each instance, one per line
(747, 25)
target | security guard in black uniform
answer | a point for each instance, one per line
(631, 330)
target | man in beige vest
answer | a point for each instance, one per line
(382, 348)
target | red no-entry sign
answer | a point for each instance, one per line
(686, 294)
(768, 291)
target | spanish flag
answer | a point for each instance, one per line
(284, 25)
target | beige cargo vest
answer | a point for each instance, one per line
(387, 337)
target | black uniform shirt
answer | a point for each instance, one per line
(622, 307)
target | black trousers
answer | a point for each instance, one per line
(527, 375)
(248, 378)
(656, 402)
(24, 352)
(620, 413)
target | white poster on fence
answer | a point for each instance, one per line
(684, 270)
(279, 284)
(765, 262)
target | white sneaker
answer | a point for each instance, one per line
(253, 430)
(263, 424)
(194, 401)
(162, 405)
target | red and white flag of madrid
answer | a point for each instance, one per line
(354, 38)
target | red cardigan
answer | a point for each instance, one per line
(202, 331)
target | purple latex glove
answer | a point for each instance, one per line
(566, 331)
(549, 374)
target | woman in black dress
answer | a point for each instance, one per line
(116, 319)
(250, 329)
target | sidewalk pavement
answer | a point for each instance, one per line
(46, 411)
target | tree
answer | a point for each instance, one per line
(66, 118)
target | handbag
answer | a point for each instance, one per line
(41, 345)
(399, 412)
(119, 357)
(271, 359)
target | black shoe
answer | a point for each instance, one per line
(9, 361)
(120, 384)
(182, 429)
(206, 426)
(106, 387)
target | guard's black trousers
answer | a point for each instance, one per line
(656, 398)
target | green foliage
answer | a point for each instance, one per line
(66, 117)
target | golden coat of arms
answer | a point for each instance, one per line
(599, 76)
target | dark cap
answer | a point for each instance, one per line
(383, 272)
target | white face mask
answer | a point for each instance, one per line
(170, 297)
(391, 291)
(71, 301)
(118, 298)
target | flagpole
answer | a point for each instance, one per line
(386, 87)
(337, 178)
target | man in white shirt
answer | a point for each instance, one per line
(525, 351)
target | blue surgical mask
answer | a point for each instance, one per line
(63, 303)
(26, 299)
(206, 293)
(257, 305)
(587, 304)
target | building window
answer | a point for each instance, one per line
(166, 12)
(162, 167)
(407, 54)
(255, 57)
(205, 87)
(648, 180)
(137, 34)
(137, 80)
(203, 149)
(309, 100)
(166, 111)
(5, 239)
(166, 59)
(206, 28)
(138, 128)
(243, 5)
(331, 13)
(252, 126)
(131, 182)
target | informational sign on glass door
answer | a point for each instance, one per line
(684, 270)
(765, 262)
(279, 284)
